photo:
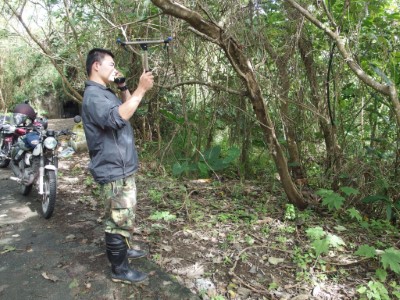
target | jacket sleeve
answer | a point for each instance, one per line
(104, 113)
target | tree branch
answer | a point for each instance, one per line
(69, 18)
(123, 32)
(244, 69)
(340, 42)
(47, 52)
(209, 84)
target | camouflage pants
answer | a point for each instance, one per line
(119, 199)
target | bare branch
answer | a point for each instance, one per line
(341, 44)
(46, 51)
(385, 89)
(123, 31)
(244, 68)
(330, 17)
(133, 23)
(66, 6)
(209, 84)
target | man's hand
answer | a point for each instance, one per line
(146, 81)
(127, 109)
(119, 79)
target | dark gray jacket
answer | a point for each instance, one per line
(110, 138)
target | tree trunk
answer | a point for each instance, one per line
(333, 150)
(3, 103)
(245, 137)
(332, 147)
(244, 69)
(281, 61)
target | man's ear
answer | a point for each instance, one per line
(96, 66)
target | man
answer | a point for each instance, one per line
(113, 156)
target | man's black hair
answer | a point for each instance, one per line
(96, 55)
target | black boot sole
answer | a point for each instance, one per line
(127, 281)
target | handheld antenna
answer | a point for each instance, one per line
(144, 45)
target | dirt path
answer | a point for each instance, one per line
(64, 257)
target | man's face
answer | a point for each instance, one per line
(106, 69)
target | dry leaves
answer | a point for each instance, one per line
(194, 271)
(50, 277)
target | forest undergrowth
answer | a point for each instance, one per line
(235, 239)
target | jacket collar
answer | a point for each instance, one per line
(94, 83)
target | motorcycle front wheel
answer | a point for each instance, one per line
(4, 151)
(49, 193)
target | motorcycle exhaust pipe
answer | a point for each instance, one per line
(16, 179)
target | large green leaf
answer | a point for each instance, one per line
(349, 191)
(178, 168)
(232, 154)
(321, 246)
(375, 198)
(391, 258)
(335, 241)
(171, 117)
(203, 168)
(354, 214)
(366, 251)
(331, 199)
(212, 154)
(315, 233)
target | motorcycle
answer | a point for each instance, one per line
(34, 160)
(11, 128)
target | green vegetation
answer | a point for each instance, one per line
(293, 138)
(344, 245)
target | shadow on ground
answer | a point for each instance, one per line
(63, 258)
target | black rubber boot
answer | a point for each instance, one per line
(132, 253)
(117, 251)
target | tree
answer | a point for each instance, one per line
(243, 67)
(257, 75)
(68, 88)
(388, 88)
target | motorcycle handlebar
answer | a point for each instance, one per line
(7, 127)
(65, 132)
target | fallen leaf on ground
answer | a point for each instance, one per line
(275, 260)
(70, 237)
(7, 248)
(50, 277)
(193, 271)
(166, 248)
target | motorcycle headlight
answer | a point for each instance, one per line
(8, 129)
(50, 143)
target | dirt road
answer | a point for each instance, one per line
(64, 257)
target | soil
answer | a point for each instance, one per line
(209, 239)
(64, 257)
